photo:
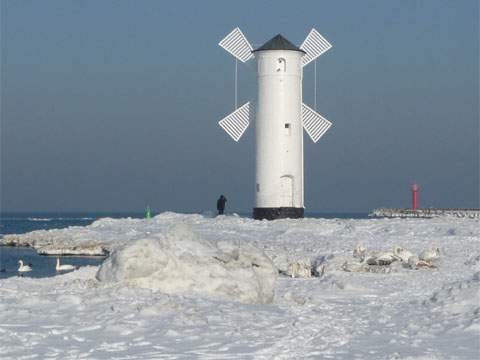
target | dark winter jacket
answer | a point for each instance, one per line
(221, 202)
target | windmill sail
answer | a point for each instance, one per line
(314, 124)
(237, 44)
(237, 122)
(314, 45)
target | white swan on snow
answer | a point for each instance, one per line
(381, 258)
(63, 267)
(403, 254)
(429, 254)
(23, 268)
(360, 252)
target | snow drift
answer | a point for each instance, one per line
(395, 313)
(181, 262)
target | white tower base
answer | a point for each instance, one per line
(278, 213)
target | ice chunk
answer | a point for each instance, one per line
(181, 262)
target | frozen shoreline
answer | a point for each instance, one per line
(54, 251)
(401, 314)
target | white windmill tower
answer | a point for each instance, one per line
(280, 117)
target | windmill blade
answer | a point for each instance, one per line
(237, 44)
(237, 122)
(314, 124)
(314, 45)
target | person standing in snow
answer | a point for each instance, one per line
(221, 204)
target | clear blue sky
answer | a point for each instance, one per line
(113, 105)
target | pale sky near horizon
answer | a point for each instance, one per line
(113, 105)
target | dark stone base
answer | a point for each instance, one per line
(278, 213)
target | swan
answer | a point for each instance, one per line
(403, 254)
(63, 267)
(360, 252)
(23, 268)
(429, 254)
(415, 263)
(381, 258)
(386, 258)
(300, 269)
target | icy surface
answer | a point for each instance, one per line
(181, 262)
(402, 313)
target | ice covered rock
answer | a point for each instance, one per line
(86, 249)
(350, 266)
(280, 259)
(181, 262)
(319, 264)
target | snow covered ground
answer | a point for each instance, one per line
(395, 313)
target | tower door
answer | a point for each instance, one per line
(286, 191)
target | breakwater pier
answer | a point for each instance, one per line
(425, 213)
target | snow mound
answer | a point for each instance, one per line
(458, 304)
(179, 261)
(460, 296)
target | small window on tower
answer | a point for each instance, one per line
(281, 65)
(287, 128)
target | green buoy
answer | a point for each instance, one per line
(148, 213)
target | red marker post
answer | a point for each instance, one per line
(415, 189)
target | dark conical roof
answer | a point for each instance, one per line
(278, 43)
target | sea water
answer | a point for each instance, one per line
(44, 266)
